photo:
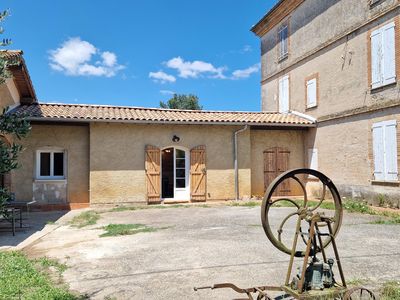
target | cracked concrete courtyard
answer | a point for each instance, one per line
(198, 246)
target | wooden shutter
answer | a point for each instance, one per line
(378, 146)
(270, 168)
(282, 163)
(313, 159)
(153, 172)
(390, 135)
(284, 94)
(388, 54)
(376, 58)
(312, 92)
(276, 161)
(198, 174)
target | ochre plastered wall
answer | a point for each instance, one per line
(319, 23)
(345, 153)
(262, 140)
(75, 141)
(343, 77)
(117, 158)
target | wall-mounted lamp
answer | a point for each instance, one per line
(176, 139)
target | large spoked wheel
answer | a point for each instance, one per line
(327, 196)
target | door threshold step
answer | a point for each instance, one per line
(175, 201)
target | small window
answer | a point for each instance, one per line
(50, 164)
(384, 135)
(383, 62)
(283, 42)
(311, 93)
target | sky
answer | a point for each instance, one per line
(138, 53)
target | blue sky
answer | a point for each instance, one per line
(139, 52)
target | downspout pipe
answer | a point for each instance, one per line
(235, 138)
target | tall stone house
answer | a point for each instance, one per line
(339, 62)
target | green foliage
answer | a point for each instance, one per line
(356, 281)
(85, 219)
(355, 206)
(46, 262)
(133, 208)
(382, 201)
(390, 290)
(246, 204)
(21, 279)
(12, 126)
(189, 102)
(392, 220)
(126, 229)
(4, 73)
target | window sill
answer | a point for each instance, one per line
(311, 107)
(386, 183)
(381, 88)
(282, 58)
(49, 180)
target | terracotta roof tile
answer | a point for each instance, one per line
(20, 74)
(60, 112)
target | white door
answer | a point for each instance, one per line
(181, 174)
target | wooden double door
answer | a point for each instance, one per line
(173, 178)
(276, 161)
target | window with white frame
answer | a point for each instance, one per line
(284, 105)
(313, 158)
(384, 135)
(311, 92)
(50, 164)
(383, 63)
(283, 41)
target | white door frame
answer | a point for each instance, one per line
(180, 194)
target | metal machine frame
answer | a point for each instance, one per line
(315, 239)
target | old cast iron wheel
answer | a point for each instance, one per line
(302, 207)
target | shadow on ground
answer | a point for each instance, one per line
(31, 224)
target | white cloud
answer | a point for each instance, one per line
(109, 58)
(161, 77)
(246, 49)
(194, 69)
(167, 92)
(246, 73)
(74, 58)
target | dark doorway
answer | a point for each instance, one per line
(167, 173)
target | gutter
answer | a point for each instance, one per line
(235, 138)
(304, 116)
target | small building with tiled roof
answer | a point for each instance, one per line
(80, 155)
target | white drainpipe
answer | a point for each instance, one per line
(235, 137)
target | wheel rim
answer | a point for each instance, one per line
(303, 207)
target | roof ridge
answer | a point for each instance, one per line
(12, 50)
(155, 108)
